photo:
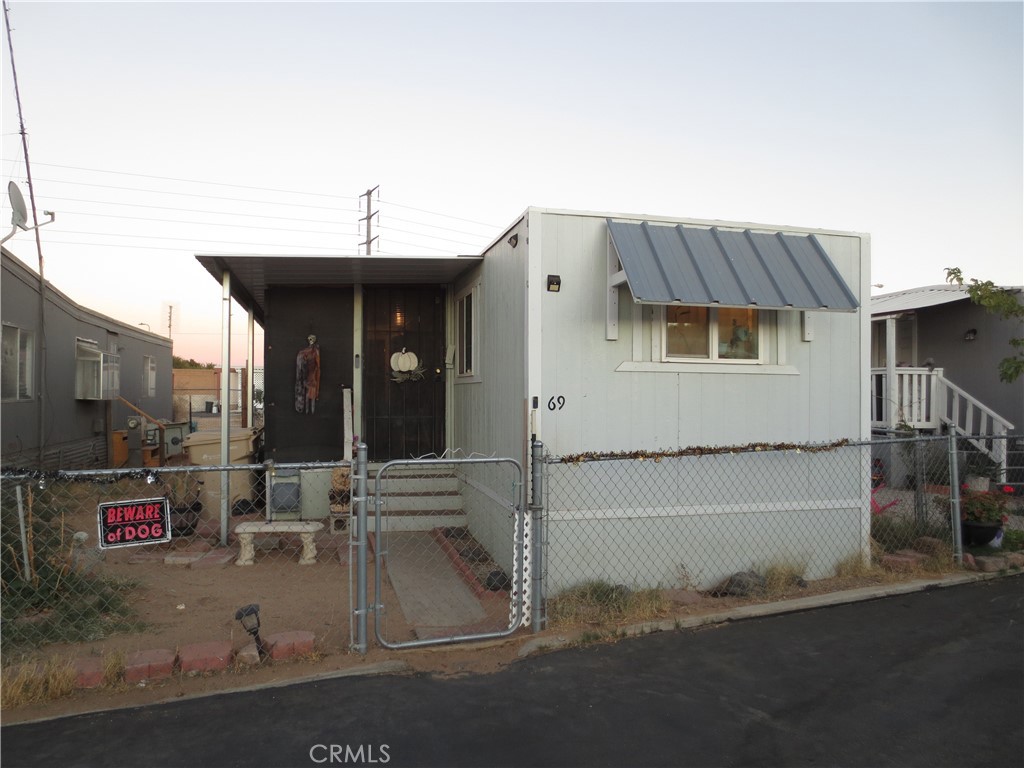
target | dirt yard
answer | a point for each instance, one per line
(197, 606)
(183, 602)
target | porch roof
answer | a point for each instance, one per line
(251, 274)
(916, 298)
(712, 266)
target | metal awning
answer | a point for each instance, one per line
(709, 266)
(251, 274)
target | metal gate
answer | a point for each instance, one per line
(448, 537)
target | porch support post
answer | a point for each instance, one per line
(359, 500)
(357, 362)
(892, 410)
(225, 394)
(538, 618)
(250, 354)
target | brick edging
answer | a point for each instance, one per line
(156, 664)
(463, 569)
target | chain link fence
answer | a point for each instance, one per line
(155, 582)
(449, 552)
(448, 537)
(732, 521)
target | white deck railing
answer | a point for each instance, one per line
(925, 399)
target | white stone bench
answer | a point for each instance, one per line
(246, 532)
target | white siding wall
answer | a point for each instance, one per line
(809, 392)
(813, 391)
(490, 415)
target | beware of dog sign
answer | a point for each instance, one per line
(130, 523)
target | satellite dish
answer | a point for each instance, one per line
(19, 213)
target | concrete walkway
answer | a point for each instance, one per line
(430, 592)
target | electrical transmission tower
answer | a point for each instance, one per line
(368, 218)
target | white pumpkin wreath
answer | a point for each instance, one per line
(405, 366)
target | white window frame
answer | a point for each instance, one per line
(467, 372)
(97, 373)
(148, 376)
(22, 357)
(763, 324)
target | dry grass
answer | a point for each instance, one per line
(854, 567)
(30, 683)
(780, 578)
(598, 602)
(113, 669)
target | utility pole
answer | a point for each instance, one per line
(170, 316)
(41, 363)
(368, 218)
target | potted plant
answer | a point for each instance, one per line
(979, 471)
(982, 514)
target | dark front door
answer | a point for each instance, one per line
(403, 371)
(304, 414)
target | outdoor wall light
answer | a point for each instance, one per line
(971, 335)
(554, 283)
(514, 240)
(249, 615)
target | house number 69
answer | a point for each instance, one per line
(556, 403)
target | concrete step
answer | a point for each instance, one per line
(409, 483)
(418, 522)
(413, 501)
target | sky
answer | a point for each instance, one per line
(160, 130)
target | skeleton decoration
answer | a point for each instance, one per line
(307, 377)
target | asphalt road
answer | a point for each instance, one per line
(934, 678)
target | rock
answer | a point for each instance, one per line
(913, 554)
(475, 554)
(969, 563)
(991, 563)
(85, 559)
(498, 581)
(742, 584)
(901, 562)
(929, 545)
(1015, 559)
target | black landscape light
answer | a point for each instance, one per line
(249, 615)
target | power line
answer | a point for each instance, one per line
(262, 189)
(185, 210)
(416, 245)
(169, 249)
(385, 228)
(434, 226)
(191, 194)
(197, 181)
(194, 240)
(201, 223)
(435, 213)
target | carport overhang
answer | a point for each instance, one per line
(246, 278)
(251, 274)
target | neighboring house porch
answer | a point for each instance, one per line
(934, 357)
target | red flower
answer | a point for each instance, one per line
(1007, 489)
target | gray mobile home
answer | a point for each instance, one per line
(91, 361)
(593, 332)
